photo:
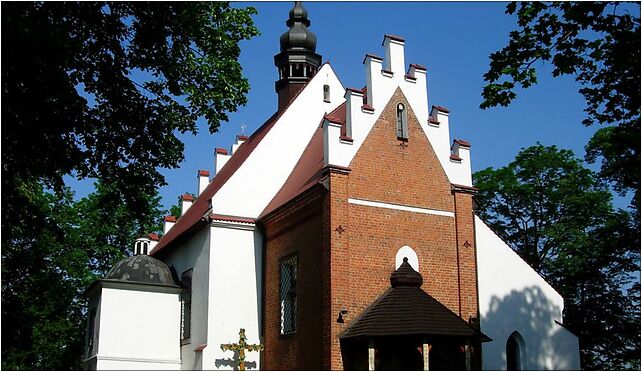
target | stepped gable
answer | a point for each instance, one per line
(199, 210)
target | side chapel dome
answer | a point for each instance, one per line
(141, 269)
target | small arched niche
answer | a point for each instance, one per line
(515, 352)
(408, 252)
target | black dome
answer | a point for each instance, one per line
(406, 276)
(141, 269)
(298, 37)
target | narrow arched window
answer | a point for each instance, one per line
(137, 248)
(145, 246)
(402, 122)
(326, 93)
(515, 352)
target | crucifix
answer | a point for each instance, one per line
(243, 126)
(241, 347)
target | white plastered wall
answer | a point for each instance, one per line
(513, 297)
(235, 295)
(195, 255)
(381, 86)
(138, 330)
(273, 159)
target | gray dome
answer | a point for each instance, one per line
(298, 37)
(141, 269)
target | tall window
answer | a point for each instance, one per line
(515, 352)
(91, 333)
(288, 274)
(402, 122)
(326, 93)
(186, 306)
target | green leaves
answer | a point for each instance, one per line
(46, 268)
(558, 216)
(599, 44)
(96, 89)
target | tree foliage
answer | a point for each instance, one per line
(100, 89)
(46, 270)
(598, 43)
(558, 216)
(96, 90)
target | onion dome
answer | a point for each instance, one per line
(298, 37)
(405, 276)
(141, 269)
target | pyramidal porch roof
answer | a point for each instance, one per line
(405, 309)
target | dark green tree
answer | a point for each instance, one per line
(45, 272)
(100, 90)
(598, 43)
(558, 216)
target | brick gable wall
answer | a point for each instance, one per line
(363, 257)
(347, 251)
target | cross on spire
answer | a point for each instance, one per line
(243, 126)
(241, 347)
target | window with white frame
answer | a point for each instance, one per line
(287, 281)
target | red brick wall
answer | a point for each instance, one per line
(363, 257)
(295, 230)
(350, 269)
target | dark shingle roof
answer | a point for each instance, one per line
(405, 309)
(141, 269)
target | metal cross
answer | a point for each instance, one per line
(241, 347)
(340, 230)
(243, 126)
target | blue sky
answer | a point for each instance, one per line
(453, 40)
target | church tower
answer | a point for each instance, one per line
(297, 62)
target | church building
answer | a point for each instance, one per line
(340, 235)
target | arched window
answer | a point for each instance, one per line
(402, 122)
(145, 246)
(515, 353)
(137, 248)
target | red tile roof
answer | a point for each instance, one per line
(187, 197)
(305, 174)
(154, 237)
(338, 115)
(455, 157)
(170, 218)
(220, 150)
(204, 173)
(418, 67)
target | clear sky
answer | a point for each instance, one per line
(453, 40)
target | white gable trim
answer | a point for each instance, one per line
(400, 207)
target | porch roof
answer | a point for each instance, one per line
(405, 309)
